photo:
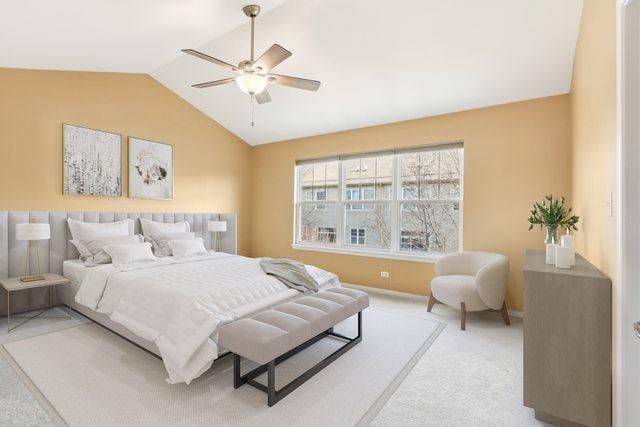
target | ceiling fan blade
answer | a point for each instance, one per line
(213, 83)
(263, 97)
(295, 82)
(210, 59)
(272, 57)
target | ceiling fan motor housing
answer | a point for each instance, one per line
(247, 66)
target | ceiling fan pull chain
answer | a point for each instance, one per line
(252, 109)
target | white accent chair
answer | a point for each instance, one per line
(471, 281)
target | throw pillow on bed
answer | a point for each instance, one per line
(160, 243)
(87, 230)
(154, 228)
(91, 252)
(184, 248)
(123, 254)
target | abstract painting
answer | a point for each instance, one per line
(150, 169)
(91, 162)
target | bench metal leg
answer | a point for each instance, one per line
(271, 383)
(273, 395)
(237, 380)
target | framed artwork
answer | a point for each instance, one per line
(150, 169)
(91, 162)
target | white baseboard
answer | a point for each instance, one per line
(406, 295)
(380, 291)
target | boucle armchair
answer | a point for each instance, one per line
(471, 281)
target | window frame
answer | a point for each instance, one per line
(396, 199)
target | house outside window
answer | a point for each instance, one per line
(357, 236)
(326, 234)
(400, 203)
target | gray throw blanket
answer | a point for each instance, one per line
(292, 273)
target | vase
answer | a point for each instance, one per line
(552, 234)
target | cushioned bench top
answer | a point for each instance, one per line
(271, 333)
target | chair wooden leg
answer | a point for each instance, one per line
(463, 317)
(432, 302)
(505, 314)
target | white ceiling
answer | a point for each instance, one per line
(379, 61)
(135, 36)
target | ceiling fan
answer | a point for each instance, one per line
(255, 75)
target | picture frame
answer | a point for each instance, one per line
(91, 162)
(150, 169)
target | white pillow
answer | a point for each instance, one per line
(160, 244)
(183, 248)
(154, 228)
(88, 230)
(91, 251)
(122, 254)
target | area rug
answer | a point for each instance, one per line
(90, 376)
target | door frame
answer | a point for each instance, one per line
(626, 347)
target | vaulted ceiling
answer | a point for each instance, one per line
(379, 61)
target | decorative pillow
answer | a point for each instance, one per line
(91, 251)
(123, 254)
(88, 230)
(184, 248)
(160, 244)
(154, 228)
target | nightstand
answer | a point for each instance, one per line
(15, 284)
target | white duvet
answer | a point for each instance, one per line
(180, 303)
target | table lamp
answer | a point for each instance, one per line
(216, 227)
(32, 232)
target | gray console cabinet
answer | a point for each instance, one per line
(567, 342)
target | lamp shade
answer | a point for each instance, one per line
(33, 231)
(217, 225)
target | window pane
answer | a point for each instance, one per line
(429, 227)
(384, 166)
(433, 175)
(373, 176)
(319, 181)
(368, 225)
(305, 174)
(318, 223)
(319, 172)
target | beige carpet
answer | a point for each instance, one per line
(92, 377)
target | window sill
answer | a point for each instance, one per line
(430, 259)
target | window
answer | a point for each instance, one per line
(401, 203)
(357, 236)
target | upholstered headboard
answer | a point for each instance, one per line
(55, 251)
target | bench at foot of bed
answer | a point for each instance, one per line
(275, 335)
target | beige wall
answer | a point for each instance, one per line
(514, 154)
(212, 166)
(593, 143)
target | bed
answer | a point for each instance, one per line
(171, 307)
(178, 305)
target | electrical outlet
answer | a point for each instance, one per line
(384, 274)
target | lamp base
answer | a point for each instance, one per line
(31, 278)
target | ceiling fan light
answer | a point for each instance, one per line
(251, 84)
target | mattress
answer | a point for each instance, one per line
(75, 270)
